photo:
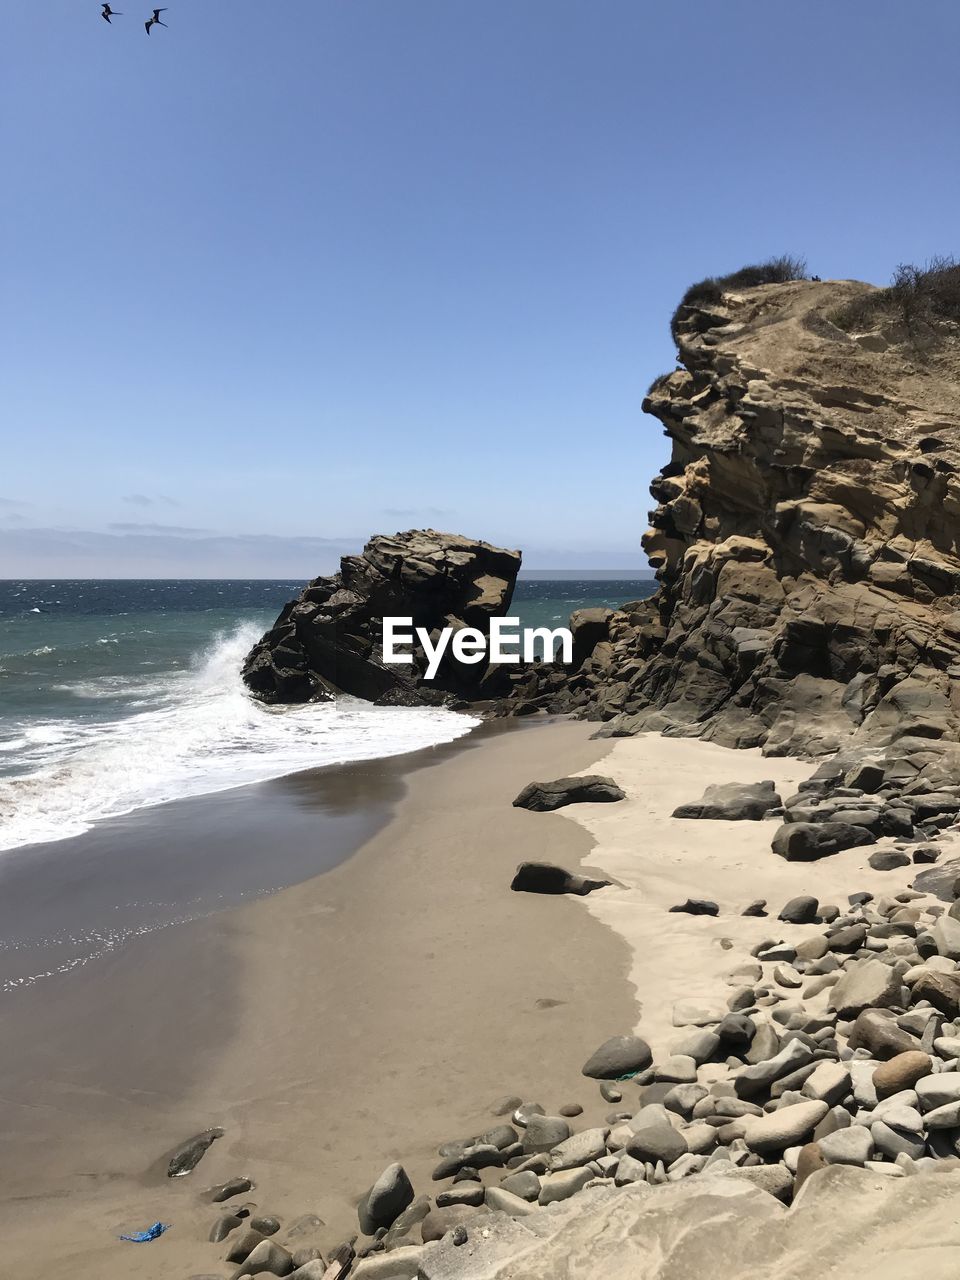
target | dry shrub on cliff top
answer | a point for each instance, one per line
(918, 298)
(705, 292)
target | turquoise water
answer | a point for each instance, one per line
(115, 695)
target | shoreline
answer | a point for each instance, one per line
(448, 969)
(369, 1014)
(683, 957)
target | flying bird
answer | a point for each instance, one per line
(155, 20)
(109, 13)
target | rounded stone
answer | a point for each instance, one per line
(901, 1072)
(801, 910)
(658, 1141)
(617, 1057)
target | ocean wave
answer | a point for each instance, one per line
(203, 734)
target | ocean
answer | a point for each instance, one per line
(117, 695)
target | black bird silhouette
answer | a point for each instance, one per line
(155, 20)
(108, 13)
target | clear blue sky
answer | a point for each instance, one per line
(289, 273)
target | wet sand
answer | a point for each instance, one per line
(363, 1015)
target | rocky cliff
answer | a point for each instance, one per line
(805, 538)
(329, 640)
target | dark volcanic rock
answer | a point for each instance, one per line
(544, 877)
(592, 788)
(330, 639)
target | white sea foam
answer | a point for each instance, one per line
(201, 734)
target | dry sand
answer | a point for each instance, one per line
(363, 1016)
(377, 1010)
(660, 861)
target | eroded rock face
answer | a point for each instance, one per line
(805, 539)
(329, 640)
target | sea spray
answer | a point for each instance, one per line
(201, 734)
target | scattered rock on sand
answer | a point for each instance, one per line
(223, 1226)
(544, 877)
(617, 1057)
(227, 1190)
(269, 1257)
(889, 859)
(592, 788)
(386, 1199)
(733, 801)
(697, 907)
(185, 1158)
(657, 1141)
(808, 841)
(802, 910)
(543, 1133)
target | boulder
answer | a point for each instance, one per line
(439, 1221)
(733, 802)
(867, 984)
(185, 1158)
(543, 1133)
(942, 990)
(386, 1200)
(889, 859)
(853, 1145)
(752, 1081)
(657, 1141)
(877, 1031)
(267, 1258)
(788, 1126)
(901, 1072)
(802, 910)
(579, 1149)
(543, 797)
(544, 877)
(619, 1056)
(808, 841)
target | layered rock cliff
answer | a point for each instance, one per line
(805, 538)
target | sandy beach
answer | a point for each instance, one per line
(660, 861)
(372, 1012)
(364, 1015)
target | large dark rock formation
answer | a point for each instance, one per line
(329, 640)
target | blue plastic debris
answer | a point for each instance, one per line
(151, 1233)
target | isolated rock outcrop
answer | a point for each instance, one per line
(329, 640)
